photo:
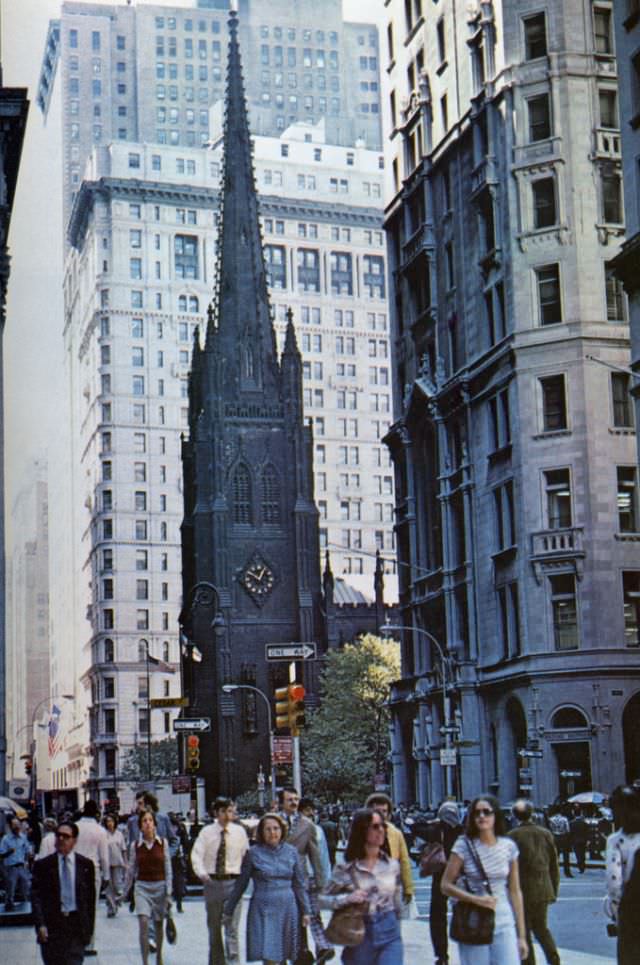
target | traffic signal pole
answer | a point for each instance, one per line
(297, 770)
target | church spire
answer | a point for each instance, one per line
(240, 329)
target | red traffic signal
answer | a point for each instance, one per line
(193, 752)
(290, 707)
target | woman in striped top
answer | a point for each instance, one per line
(485, 831)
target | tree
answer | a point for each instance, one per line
(346, 741)
(164, 761)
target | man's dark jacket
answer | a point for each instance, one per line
(538, 863)
(45, 895)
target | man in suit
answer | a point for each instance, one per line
(63, 900)
(302, 835)
(539, 878)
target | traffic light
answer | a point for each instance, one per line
(193, 752)
(290, 708)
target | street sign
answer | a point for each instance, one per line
(282, 750)
(450, 729)
(181, 784)
(201, 724)
(570, 773)
(169, 702)
(448, 756)
(290, 651)
(526, 787)
(526, 753)
(525, 773)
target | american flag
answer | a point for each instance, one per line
(54, 731)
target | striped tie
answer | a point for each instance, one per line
(222, 853)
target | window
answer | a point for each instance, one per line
(270, 496)
(539, 118)
(565, 611)
(608, 102)
(341, 273)
(504, 516)
(535, 37)
(373, 277)
(499, 421)
(140, 500)
(627, 499)
(142, 560)
(95, 40)
(107, 560)
(616, 299)
(544, 203)
(308, 269)
(109, 720)
(508, 605)
(611, 197)
(631, 608)
(109, 688)
(107, 589)
(141, 529)
(602, 30)
(442, 49)
(276, 266)
(554, 403)
(558, 496)
(109, 651)
(549, 303)
(142, 589)
(623, 414)
(186, 256)
(241, 491)
(142, 619)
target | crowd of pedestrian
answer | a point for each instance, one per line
(501, 867)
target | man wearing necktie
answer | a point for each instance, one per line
(63, 900)
(216, 859)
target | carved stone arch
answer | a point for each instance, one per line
(568, 716)
(270, 495)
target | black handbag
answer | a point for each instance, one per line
(471, 925)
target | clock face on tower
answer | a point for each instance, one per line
(257, 578)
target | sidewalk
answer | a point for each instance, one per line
(117, 942)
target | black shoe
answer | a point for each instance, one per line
(325, 956)
(152, 947)
(91, 951)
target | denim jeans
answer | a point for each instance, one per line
(382, 943)
(503, 950)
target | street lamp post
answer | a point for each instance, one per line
(202, 594)
(34, 767)
(386, 630)
(230, 689)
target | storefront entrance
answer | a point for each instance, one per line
(573, 761)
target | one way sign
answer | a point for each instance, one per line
(199, 724)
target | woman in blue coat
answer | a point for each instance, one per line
(279, 895)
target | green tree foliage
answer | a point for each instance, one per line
(164, 761)
(346, 741)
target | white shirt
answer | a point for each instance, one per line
(47, 846)
(71, 864)
(92, 843)
(205, 849)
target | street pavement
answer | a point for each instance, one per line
(577, 922)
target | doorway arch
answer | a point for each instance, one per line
(631, 738)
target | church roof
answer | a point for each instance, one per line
(346, 595)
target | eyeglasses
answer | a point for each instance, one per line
(63, 834)
(483, 813)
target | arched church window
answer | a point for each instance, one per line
(270, 496)
(248, 362)
(241, 492)
(142, 651)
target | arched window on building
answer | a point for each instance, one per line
(241, 495)
(270, 496)
(166, 652)
(194, 305)
(109, 651)
(142, 651)
(182, 303)
(567, 717)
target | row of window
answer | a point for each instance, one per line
(142, 619)
(306, 57)
(279, 33)
(142, 591)
(307, 229)
(315, 370)
(141, 561)
(341, 270)
(139, 497)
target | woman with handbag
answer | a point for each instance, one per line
(488, 918)
(365, 895)
(279, 894)
(150, 868)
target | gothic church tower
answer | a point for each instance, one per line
(250, 526)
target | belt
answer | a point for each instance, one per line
(223, 877)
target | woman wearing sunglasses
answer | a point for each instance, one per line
(370, 878)
(484, 850)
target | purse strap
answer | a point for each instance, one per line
(478, 863)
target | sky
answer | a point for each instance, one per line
(33, 344)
